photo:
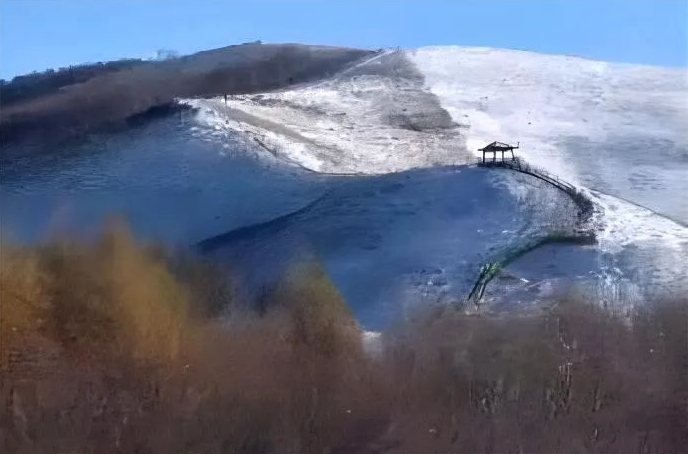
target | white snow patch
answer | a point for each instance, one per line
(621, 224)
(372, 343)
(340, 125)
(537, 99)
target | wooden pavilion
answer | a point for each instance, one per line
(497, 147)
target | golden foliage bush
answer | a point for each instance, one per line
(109, 297)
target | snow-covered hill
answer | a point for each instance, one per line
(250, 178)
(615, 128)
(373, 118)
(617, 131)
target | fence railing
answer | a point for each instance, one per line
(585, 205)
(522, 166)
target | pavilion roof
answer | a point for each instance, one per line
(498, 146)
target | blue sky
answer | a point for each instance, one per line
(39, 34)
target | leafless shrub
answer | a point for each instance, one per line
(574, 379)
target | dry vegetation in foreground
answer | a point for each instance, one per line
(113, 347)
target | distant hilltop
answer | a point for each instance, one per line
(67, 102)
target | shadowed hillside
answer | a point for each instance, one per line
(101, 97)
(31, 86)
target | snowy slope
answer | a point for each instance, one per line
(541, 98)
(373, 118)
(617, 131)
(387, 241)
(393, 241)
(616, 128)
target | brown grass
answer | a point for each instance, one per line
(114, 346)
